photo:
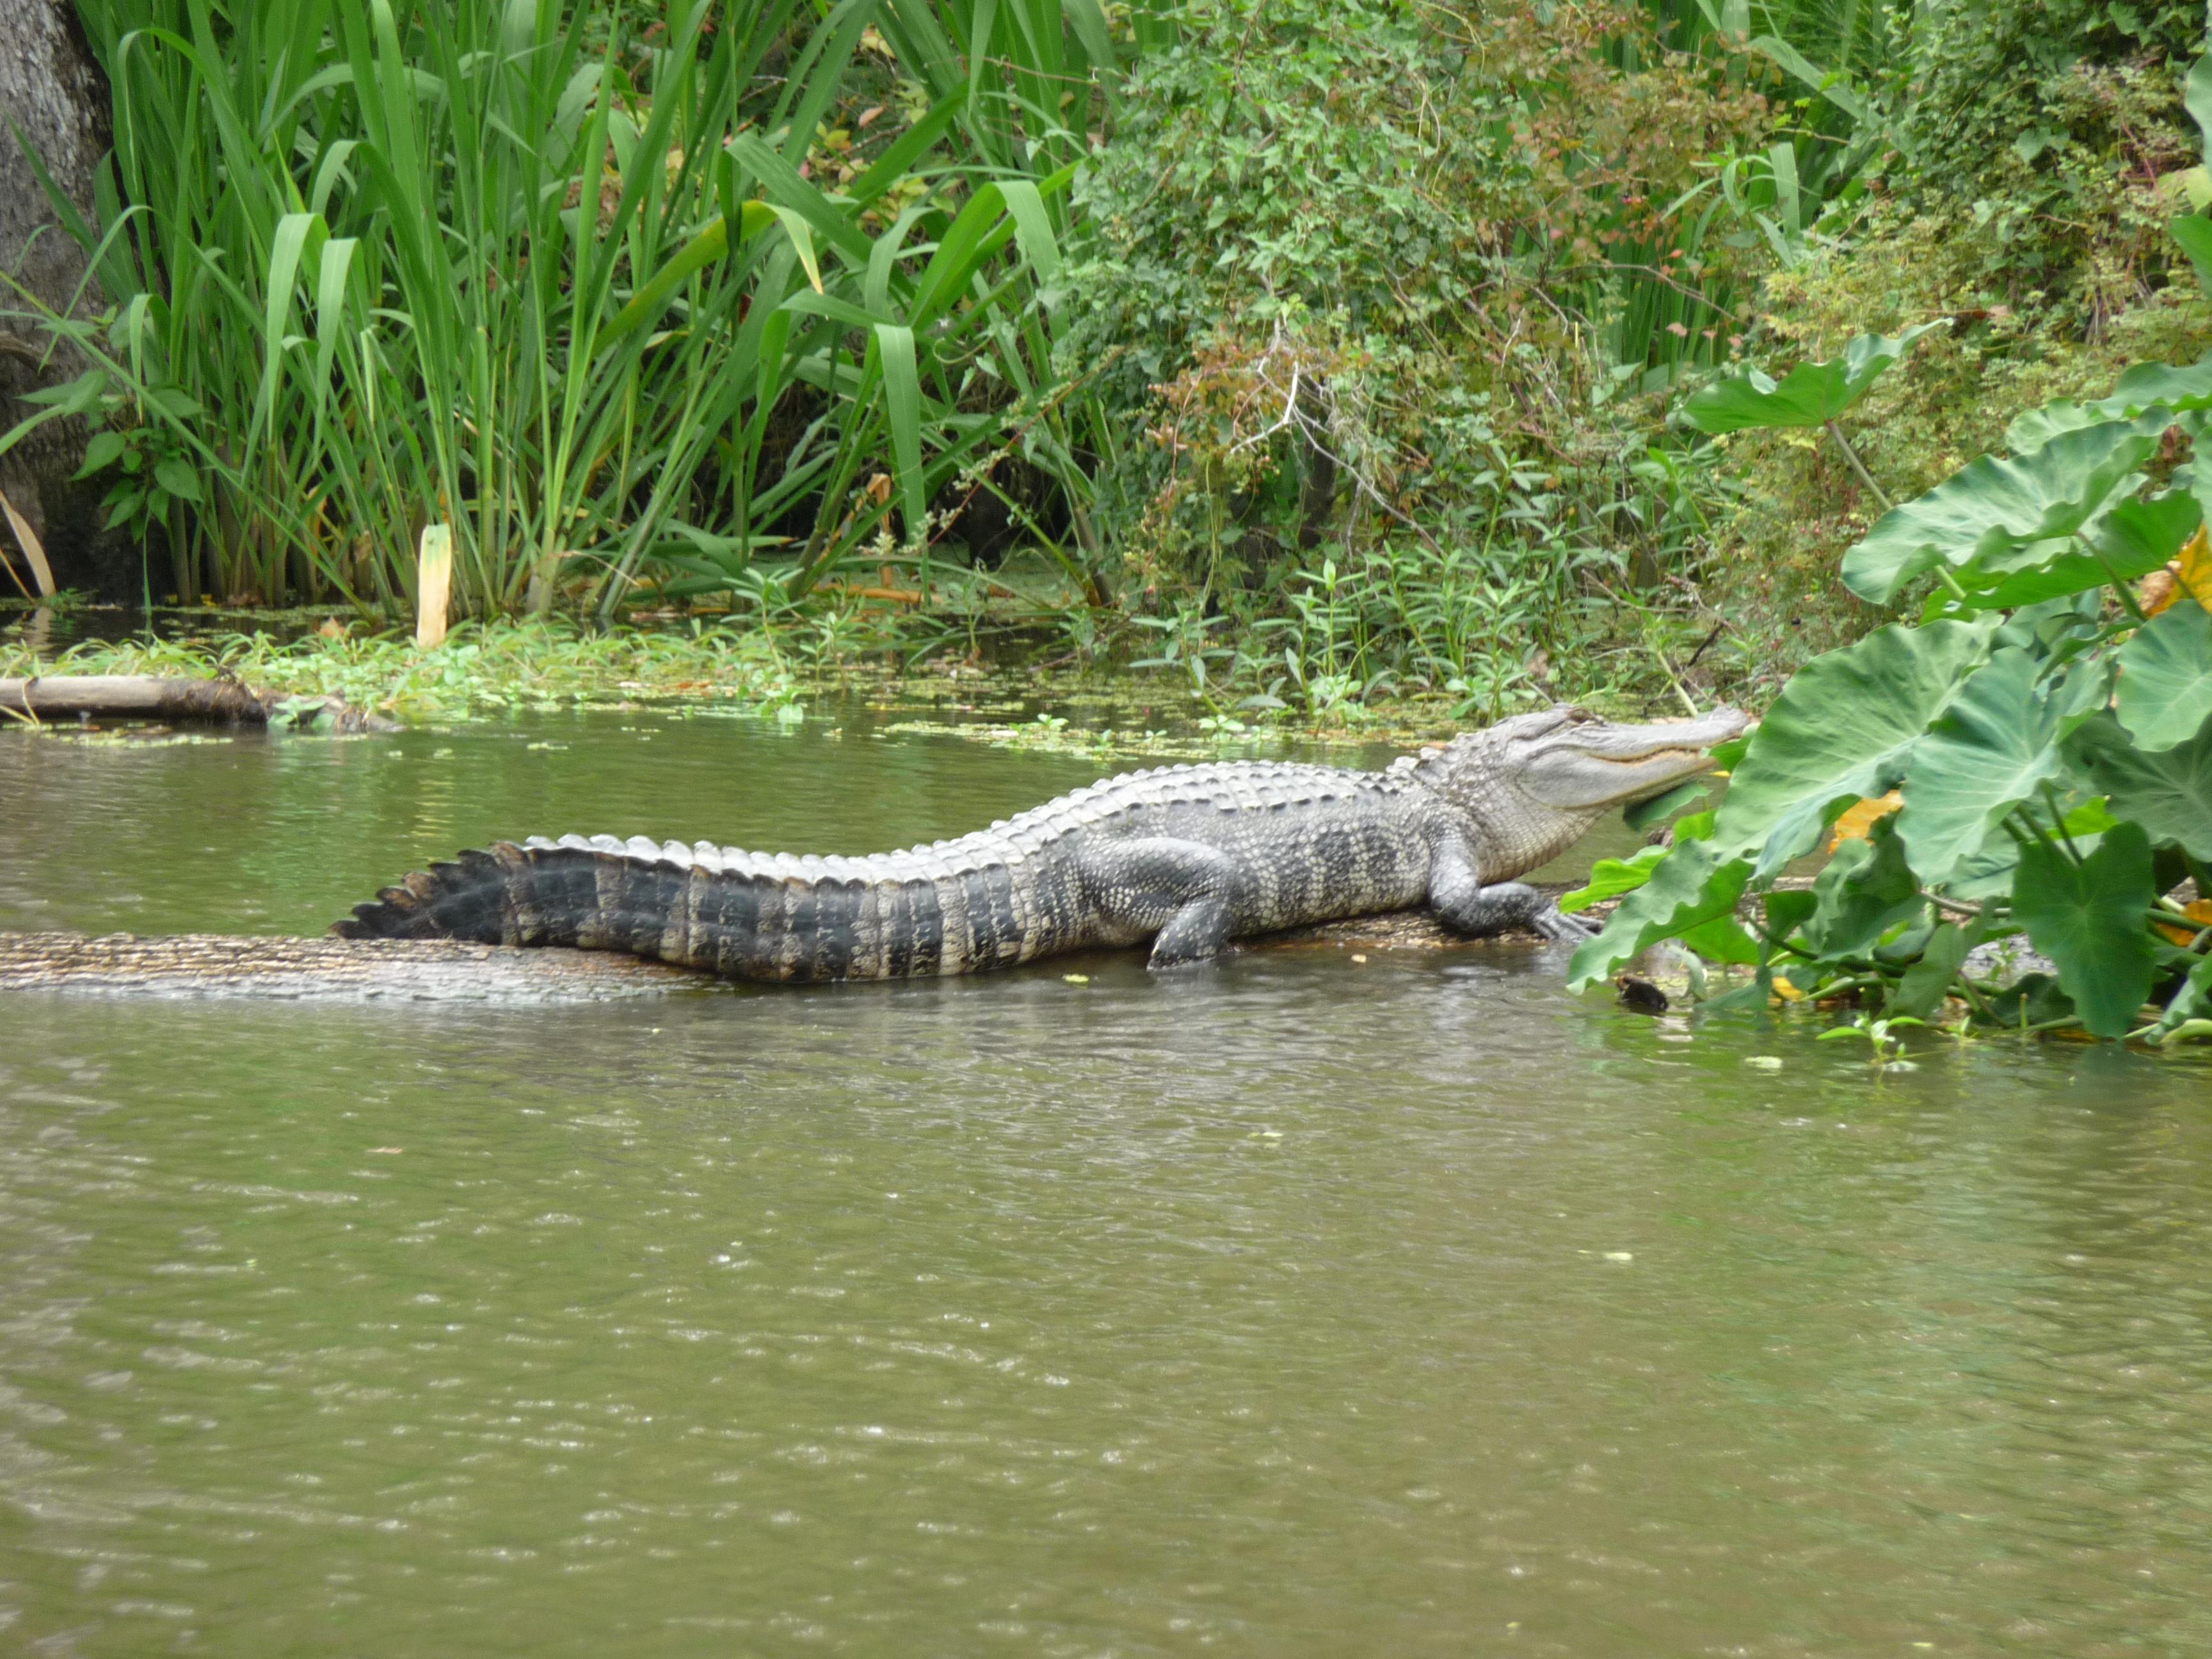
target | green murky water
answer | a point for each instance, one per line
(1295, 1307)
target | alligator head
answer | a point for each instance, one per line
(1531, 785)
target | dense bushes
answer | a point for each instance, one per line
(1390, 281)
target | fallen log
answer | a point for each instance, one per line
(354, 970)
(177, 701)
(449, 970)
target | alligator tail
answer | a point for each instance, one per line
(741, 916)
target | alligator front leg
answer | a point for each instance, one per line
(1457, 895)
(1179, 891)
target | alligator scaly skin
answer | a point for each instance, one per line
(1188, 856)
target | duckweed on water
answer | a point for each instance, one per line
(481, 669)
(484, 669)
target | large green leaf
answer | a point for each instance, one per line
(1811, 394)
(1610, 877)
(1989, 749)
(2038, 427)
(1992, 507)
(2131, 541)
(2168, 792)
(1920, 991)
(2088, 918)
(1691, 888)
(2179, 387)
(1841, 729)
(2195, 234)
(2166, 677)
(2196, 98)
(1864, 891)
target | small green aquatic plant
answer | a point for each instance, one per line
(1885, 1048)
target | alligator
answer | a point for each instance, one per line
(1186, 857)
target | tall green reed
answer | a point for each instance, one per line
(595, 291)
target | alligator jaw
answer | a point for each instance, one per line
(1585, 764)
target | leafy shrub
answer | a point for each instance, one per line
(1383, 264)
(2010, 166)
(2034, 756)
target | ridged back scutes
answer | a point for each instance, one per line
(1230, 786)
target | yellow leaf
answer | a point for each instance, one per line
(2193, 569)
(2189, 573)
(2198, 911)
(1857, 822)
(434, 582)
(1788, 991)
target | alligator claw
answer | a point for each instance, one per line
(1557, 925)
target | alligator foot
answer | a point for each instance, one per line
(1199, 931)
(1179, 888)
(1492, 909)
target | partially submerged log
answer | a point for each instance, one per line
(177, 701)
(350, 970)
(448, 970)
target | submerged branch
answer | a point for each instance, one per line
(185, 702)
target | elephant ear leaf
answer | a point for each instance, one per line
(2166, 677)
(2168, 791)
(1990, 506)
(2088, 918)
(1921, 991)
(1811, 394)
(1691, 895)
(1841, 729)
(1866, 889)
(1990, 750)
(2180, 387)
(2195, 233)
(2133, 539)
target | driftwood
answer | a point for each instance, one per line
(446, 970)
(152, 697)
(357, 970)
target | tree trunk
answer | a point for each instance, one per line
(51, 87)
